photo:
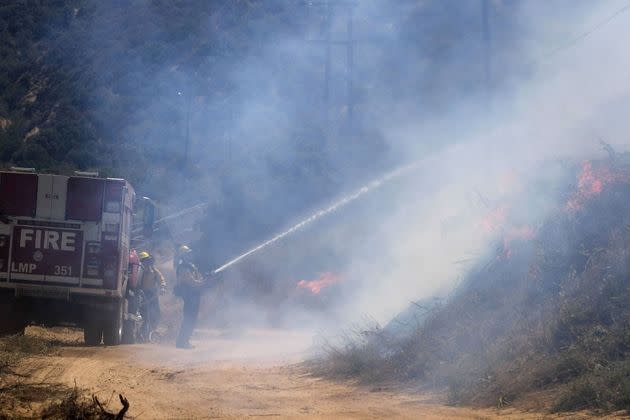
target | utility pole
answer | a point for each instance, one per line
(349, 43)
(350, 66)
(328, 29)
(187, 96)
(487, 50)
(188, 105)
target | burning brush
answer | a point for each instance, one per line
(590, 184)
(317, 285)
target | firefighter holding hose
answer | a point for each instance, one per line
(189, 286)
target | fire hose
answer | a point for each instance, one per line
(375, 184)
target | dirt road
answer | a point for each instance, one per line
(226, 376)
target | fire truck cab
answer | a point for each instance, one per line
(64, 254)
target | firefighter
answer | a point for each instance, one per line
(152, 282)
(189, 287)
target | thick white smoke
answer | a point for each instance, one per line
(576, 94)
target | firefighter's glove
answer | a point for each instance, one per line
(162, 291)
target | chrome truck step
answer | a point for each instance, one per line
(48, 292)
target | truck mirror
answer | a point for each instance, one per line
(148, 217)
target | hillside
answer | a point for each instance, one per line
(546, 311)
(94, 85)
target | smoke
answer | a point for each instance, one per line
(406, 242)
(243, 84)
(568, 101)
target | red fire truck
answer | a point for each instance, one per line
(64, 253)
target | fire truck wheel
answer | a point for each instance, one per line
(11, 327)
(92, 334)
(113, 331)
(11, 321)
(128, 334)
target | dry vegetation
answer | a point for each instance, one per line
(553, 316)
(22, 398)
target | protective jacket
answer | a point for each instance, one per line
(152, 278)
(188, 275)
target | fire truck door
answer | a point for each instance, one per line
(58, 199)
(51, 197)
(44, 196)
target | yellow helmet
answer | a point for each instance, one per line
(144, 255)
(184, 249)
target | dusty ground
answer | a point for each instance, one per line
(227, 376)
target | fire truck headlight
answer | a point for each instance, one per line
(92, 263)
(93, 248)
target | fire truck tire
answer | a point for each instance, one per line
(11, 327)
(11, 320)
(128, 334)
(113, 331)
(92, 334)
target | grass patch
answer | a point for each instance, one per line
(29, 345)
(361, 352)
(580, 396)
(606, 388)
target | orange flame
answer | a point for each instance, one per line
(496, 223)
(591, 182)
(495, 220)
(316, 286)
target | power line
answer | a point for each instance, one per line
(584, 35)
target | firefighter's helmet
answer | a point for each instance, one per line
(184, 249)
(144, 255)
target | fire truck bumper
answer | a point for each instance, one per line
(61, 293)
(50, 306)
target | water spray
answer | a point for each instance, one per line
(396, 173)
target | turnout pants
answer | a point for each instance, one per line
(191, 299)
(152, 309)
